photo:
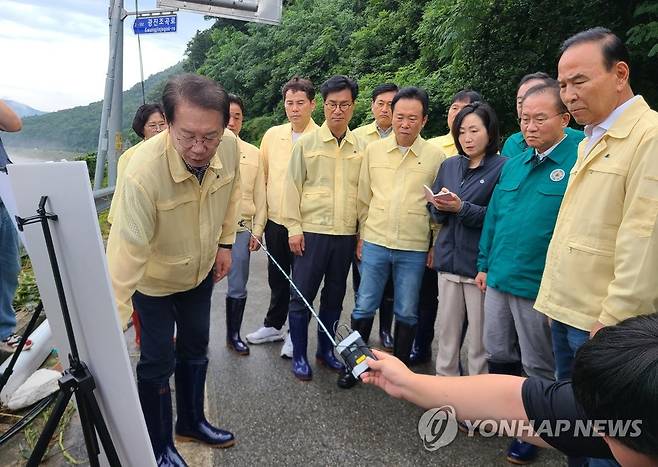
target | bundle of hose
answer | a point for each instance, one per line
(28, 361)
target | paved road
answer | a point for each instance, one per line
(279, 420)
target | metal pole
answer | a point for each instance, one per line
(116, 25)
(115, 138)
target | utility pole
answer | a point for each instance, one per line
(110, 141)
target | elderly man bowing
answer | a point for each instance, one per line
(169, 245)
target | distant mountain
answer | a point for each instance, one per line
(76, 129)
(22, 110)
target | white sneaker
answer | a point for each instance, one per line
(265, 334)
(286, 349)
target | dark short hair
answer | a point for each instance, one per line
(538, 75)
(466, 95)
(297, 84)
(142, 115)
(551, 87)
(198, 90)
(338, 83)
(382, 88)
(488, 116)
(235, 99)
(612, 47)
(615, 377)
(414, 93)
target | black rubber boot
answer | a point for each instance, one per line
(155, 399)
(234, 314)
(385, 323)
(363, 326)
(403, 339)
(191, 423)
(421, 350)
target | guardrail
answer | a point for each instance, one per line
(103, 198)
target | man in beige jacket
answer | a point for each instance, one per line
(602, 260)
(169, 243)
(276, 149)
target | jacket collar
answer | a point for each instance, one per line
(625, 122)
(287, 134)
(326, 135)
(557, 155)
(372, 128)
(620, 129)
(415, 149)
(483, 163)
(177, 168)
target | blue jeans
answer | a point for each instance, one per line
(407, 268)
(566, 341)
(10, 267)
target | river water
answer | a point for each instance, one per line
(25, 155)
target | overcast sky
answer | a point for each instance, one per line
(54, 53)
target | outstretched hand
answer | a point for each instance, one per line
(387, 373)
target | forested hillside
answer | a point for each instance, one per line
(442, 45)
(77, 129)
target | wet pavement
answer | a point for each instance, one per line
(278, 420)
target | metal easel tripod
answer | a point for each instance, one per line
(77, 379)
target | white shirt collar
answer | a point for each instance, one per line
(544, 154)
(612, 118)
(594, 133)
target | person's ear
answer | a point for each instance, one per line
(622, 73)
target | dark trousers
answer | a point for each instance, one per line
(189, 311)
(325, 257)
(428, 305)
(276, 240)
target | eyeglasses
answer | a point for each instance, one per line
(187, 142)
(156, 126)
(342, 106)
(539, 120)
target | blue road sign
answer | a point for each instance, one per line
(152, 24)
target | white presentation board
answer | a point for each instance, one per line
(83, 267)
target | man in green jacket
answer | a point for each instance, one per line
(515, 237)
(516, 144)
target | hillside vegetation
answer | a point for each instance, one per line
(442, 45)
